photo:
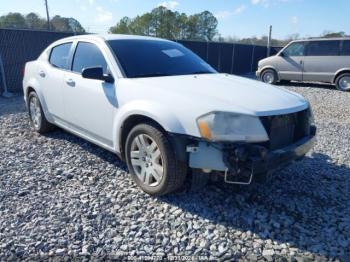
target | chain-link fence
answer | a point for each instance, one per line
(20, 46)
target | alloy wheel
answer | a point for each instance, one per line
(344, 83)
(268, 77)
(146, 160)
(35, 112)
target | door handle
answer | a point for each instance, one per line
(70, 82)
(42, 73)
(301, 62)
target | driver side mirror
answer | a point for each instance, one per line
(282, 55)
(97, 74)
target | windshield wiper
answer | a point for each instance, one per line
(200, 72)
(151, 75)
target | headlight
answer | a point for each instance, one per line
(224, 126)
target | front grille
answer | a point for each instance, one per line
(284, 130)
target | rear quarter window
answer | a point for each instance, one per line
(323, 48)
(346, 48)
(59, 56)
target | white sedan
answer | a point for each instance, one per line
(165, 111)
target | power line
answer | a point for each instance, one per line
(47, 16)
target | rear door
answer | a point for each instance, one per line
(50, 77)
(89, 104)
(289, 62)
(322, 60)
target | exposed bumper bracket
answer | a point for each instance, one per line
(237, 182)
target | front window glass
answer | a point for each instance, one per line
(149, 58)
(88, 55)
(295, 49)
(346, 48)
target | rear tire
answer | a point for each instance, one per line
(152, 162)
(37, 116)
(269, 76)
(343, 82)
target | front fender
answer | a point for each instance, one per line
(156, 111)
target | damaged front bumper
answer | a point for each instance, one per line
(246, 159)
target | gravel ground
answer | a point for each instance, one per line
(62, 196)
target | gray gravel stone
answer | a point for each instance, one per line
(62, 196)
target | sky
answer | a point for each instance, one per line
(239, 18)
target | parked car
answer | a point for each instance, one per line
(321, 60)
(165, 111)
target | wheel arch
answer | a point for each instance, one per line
(129, 123)
(338, 73)
(139, 112)
(269, 67)
(28, 91)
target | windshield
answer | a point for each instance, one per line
(150, 58)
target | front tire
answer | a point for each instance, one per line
(269, 76)
(37, 116)
(343, 82)
(152, 162)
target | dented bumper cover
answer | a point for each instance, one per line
(244, 156)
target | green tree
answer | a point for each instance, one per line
(122, 27)
(63, 24)
(329, 34)
(33, 21)
(162, 22)
(13, 20)
(192, 28)
(207, 24)
(75, 26)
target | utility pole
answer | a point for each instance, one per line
(269, 42)
(47, 16)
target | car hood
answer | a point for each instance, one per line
(222, 92)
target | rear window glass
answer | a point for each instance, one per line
(323, 48)
(346, 48)
(59, 56)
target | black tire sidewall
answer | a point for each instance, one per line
(338, 80)
(30, 97)
(271, 71)
(166, 153)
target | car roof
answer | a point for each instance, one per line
(108, 37)
(322, 39)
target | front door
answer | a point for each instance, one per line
(289, 63)
(89, 104)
